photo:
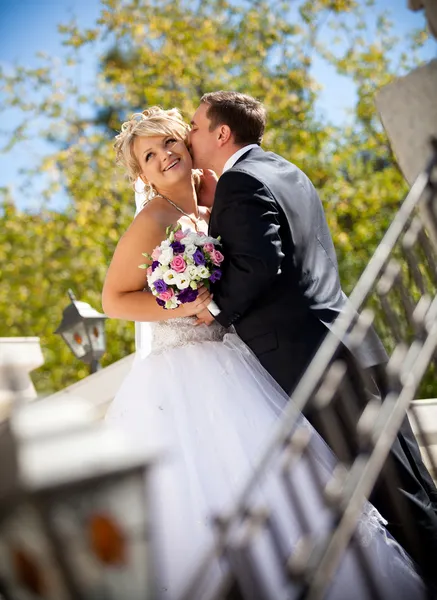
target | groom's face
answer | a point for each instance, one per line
(203, 142)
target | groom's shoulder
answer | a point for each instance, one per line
(262, 159)
(276, 159)
(265, 167)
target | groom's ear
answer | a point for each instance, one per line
(224, 134)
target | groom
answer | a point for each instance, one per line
(280, 287)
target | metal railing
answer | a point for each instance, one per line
(401, 279)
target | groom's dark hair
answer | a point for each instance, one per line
(245, 116)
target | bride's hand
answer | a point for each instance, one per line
(191, 309)
(208, 183)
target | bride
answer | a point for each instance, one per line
(201, 398)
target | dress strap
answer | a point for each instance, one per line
(194, 221)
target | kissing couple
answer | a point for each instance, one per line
(222, 366)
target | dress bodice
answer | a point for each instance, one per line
(183, 331)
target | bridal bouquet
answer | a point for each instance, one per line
(181, 264)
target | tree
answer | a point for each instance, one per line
(170, 53)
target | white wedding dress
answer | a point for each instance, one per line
(202, 401)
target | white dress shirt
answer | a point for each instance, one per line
(233, 159)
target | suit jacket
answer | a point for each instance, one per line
(281, 290)
(280, 286)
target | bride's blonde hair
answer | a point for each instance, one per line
(151, 122)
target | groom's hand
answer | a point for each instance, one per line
(204, 317)
(208, 183)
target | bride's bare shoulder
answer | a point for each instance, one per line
(154, 215)
(146, 230)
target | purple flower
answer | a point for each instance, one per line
(155, 264)
(160, 286)
(215, 275)
(198, 257)
(160, 302)
(187, 295)
(178, 248)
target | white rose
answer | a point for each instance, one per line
(165, 244)
(166, 256)
(172, 303)
(182, 281)
(157, 274)
(170, 277)
(208, 240)
(190, 249)
(189, 239)
(191, 271)
(152, 278)
(203, 272)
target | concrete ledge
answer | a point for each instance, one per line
(24, 355)
(24, 351)
(99, 388)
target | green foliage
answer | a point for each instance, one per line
(170, 53)
(43, 255)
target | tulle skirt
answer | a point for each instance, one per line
(208, 409)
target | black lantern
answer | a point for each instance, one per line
(83, 330)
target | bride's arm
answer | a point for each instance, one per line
(123, 296)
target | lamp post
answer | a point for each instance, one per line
(83, 330)
(74, 512)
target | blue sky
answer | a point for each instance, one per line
(29, 26)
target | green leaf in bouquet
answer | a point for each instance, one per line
(143, 266)
(169, 230)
